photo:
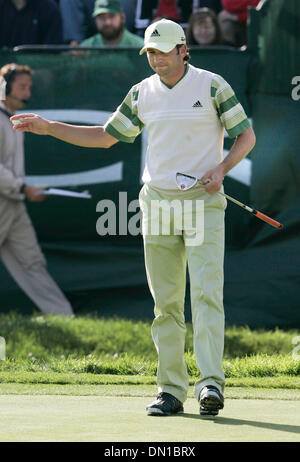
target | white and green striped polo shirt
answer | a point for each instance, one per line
(185, 123)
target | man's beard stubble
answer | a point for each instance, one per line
(111, 33)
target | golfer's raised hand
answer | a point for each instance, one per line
(212, 180)
(31, 123)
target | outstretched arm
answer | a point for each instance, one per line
(90, 137)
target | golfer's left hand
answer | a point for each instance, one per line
(212, 180)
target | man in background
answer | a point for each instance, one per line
(19, 248)
(78, 21)
(30, 22)
(110, 22)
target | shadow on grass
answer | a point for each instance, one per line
(45, 336)
(252, 423)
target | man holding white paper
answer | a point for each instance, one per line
(19, 248)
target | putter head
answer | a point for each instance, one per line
(185, 182)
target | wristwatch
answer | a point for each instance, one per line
(22, 188)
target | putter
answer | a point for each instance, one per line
(185, 182)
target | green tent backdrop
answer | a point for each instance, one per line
(106, 273)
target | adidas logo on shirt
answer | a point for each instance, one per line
(197, 104)
(155, 33)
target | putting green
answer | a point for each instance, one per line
(123, 419)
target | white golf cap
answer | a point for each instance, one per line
(163, 35)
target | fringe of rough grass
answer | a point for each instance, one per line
(251, 366)
(46, 336)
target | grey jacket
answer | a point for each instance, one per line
(12, 173)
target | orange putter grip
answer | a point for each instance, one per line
(269, 220)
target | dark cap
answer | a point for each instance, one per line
(107, 6)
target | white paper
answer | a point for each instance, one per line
(64, 192)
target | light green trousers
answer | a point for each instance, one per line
(21, 255)
(199, 244)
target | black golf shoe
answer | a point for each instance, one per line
(211, 401)
(165, 404)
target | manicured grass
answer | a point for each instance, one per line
(90, 379)
(133, 386)
(62, 378)
(114, 418)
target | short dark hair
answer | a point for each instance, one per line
(187, 56)
(10, 71)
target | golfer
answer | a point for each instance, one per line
(185, 111)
